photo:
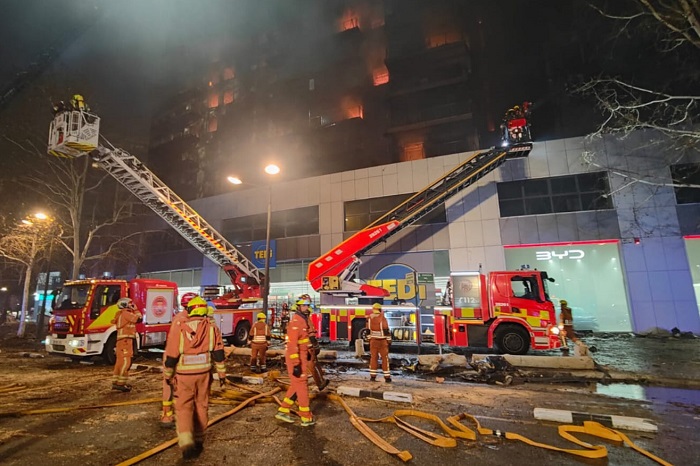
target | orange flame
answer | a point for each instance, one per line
(380, 75)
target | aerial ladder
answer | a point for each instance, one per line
(76, 133)
(333, 273)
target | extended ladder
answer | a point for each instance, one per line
(76, 133)
(332, 271)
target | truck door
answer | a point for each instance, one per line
(103, 297)
(525, 292)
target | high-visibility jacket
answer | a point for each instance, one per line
(125, 321)
(191, 347)
(298, 341)
(260, 333)
(378, 327)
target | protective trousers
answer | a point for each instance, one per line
(168, 399)
(568, 333)
(258, 350)
(298, 390)
(124, 352)
(378, 347)
(191, 407)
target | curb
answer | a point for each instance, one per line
(617, 422)
(377, 395)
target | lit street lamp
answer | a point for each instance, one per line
(272, 170)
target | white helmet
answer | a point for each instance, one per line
(124, 303)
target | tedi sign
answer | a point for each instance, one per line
(398, 280)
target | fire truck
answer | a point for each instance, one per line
(81, 324)
(486, 312)
(76, 133)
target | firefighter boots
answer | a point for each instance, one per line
(372, 378)
(284, 417)
(167, 420)
(121, 387)
(307, 422)
(387, 379)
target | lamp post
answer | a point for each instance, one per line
(40, 317)
(271, 170)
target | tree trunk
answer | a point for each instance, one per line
(25, 301)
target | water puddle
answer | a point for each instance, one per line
(654, 394)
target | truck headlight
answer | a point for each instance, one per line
(554, 330)
(76, 343)
(47, 341)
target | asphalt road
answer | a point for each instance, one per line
(113, 434)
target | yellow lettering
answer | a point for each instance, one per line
(405, 290)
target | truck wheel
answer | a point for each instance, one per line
(240, 336)
(512, 339)
(358, 325)
(109, 352)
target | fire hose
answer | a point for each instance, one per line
(460, 431)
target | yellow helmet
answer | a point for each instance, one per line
(563, 302)
(210, 311)
(293, 308)
(197, 306)
(376, 307)
(261, 316)
(303, 301)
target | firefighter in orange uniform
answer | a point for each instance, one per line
(379, 339)
(125, 319)
(297, 356)
(189, 351)
(566, 324)
(259, 337)
(167, 419)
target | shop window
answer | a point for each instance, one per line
(228, 97)
(686, 174)
(573, 193)
(213, 100)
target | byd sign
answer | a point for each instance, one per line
(568, 254)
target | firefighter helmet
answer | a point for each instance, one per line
(303, 301)
(563, 302)
(376, 307)
(261, 316)
(186, 298)
(124, 303)
(197, 306)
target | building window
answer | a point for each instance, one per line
(380, 75)
(213, 100)
(228, 97)
(283, 224)
(415, 151)
(360, 214)
(687, 174)
(229, 73)
(586, 191)
(213, 124)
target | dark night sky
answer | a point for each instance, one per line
(124, 56)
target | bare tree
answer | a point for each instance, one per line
(661, 103)
(25, 243)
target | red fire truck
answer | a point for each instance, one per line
(76, 133)
(81, 324)
(492, 316)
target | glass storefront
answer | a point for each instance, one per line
(692, 247)
(589, 276)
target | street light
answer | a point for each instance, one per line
(40, 316)
(270, 169)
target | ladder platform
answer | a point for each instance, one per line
(73, 133)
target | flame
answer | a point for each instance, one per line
(351, 107)
(213, 100)
(380, 75)
(443, 38)
(228, 97)
(349, 20)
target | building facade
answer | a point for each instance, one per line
(603, 218)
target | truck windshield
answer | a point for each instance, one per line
(72, 297)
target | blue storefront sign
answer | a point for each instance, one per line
(258, 259)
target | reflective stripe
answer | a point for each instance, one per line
(182, 342)
(304, 408)
(303, 341)
(211, 338)
(288, 401)
(294, 356)
(283, 410)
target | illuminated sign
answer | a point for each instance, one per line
(258, 259)
(568, 254)
(398, 280)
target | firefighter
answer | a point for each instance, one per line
(189, 351)
(78, 103)
(125, 319)
(296, 357)
(284, 318)
(258, 338)
(566, 324)
(167, 419)
(379, 339)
